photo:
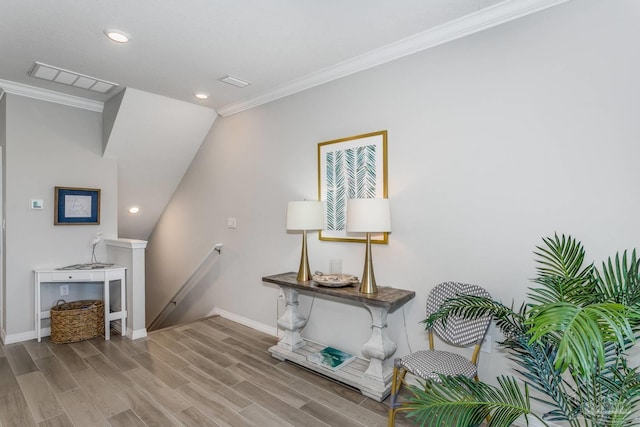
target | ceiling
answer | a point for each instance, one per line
(180, 47)
(153, 124)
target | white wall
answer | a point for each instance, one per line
(49, 145)
(495, 141)
(3, 139)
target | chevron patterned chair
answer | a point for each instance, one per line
(459, 332)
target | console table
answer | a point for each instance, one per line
(372, 377)
(102, 275)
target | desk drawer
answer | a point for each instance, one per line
(72, 276)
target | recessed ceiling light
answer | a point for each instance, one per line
(201, 95)
(117, 36)
(134, 210)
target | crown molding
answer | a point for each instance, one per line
(475, 22)
(50, 96)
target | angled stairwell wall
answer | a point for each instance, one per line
(154, 139)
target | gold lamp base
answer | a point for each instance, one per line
(304, 272)
(368, 284)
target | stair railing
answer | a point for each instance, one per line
(184, 290)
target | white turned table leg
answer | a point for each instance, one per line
(291, 321)
(379, 348)
(107, 308)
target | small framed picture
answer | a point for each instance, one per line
(36, 204)
(76, 206)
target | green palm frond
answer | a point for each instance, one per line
(622, 397)
(580, 333)
(536, 367)
(560, 272)
(473, 307)
(459, 401)
(561, 257)
(620, 280)
(563, 289)
(611, 397)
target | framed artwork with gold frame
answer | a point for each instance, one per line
(351, 168)
(76, 206)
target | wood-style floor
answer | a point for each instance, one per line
(212, 372)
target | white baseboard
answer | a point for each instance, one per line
(246, 322)
(137, 334)
(46, 332)
(24, 336)
(133, 335)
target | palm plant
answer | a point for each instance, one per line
(570, 344)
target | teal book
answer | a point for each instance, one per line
(331, 358)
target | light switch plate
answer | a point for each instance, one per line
(232, 223)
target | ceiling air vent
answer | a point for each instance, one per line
(235, 81)
(70, 78)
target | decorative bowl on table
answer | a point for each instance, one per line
(334, 280)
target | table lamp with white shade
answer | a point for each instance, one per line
(305, 215)
(368, 216)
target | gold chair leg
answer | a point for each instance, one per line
(392, 418)
(396, 383)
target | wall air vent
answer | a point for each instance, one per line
(70, 78)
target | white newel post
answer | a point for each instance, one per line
(129, 253)
(291, 321)
(379, 348)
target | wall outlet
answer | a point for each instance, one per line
(486, 344)
(64, 290)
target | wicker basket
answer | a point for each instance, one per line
(76, 321)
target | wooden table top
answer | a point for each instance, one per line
(388, 297)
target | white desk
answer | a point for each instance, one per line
(103, 275)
